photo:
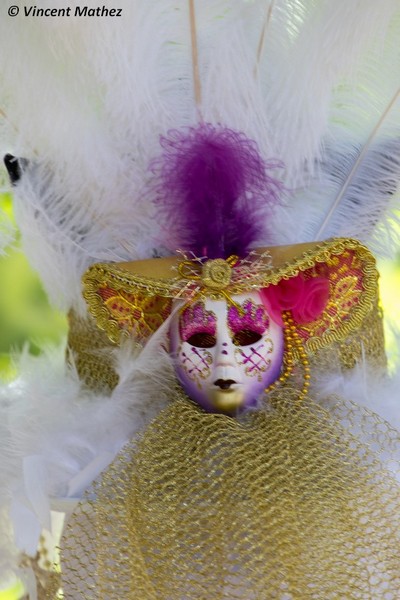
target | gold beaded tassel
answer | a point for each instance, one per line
(293, 347)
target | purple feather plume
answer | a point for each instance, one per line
(213, 191)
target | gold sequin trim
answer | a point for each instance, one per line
(104, 275)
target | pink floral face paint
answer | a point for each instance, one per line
(225, 357)
(197, 332)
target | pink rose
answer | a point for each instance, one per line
(305, 298)
(313, 301)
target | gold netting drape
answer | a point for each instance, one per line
(292, 501)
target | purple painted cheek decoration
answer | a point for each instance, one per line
(256, 389)
(255, 358)
(196, 363)
(193, 380)
(276, 365)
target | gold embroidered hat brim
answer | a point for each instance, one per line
(115, 291)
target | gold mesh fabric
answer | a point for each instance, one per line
(46, 577)
(290, 502)
(365, 342)
(89, 348)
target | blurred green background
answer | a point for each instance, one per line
(25, 315)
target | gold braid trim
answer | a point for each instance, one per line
(121, 280)
(368, 298)
(122, 276)
(367, 341)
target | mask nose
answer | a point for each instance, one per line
(226, 367)
(226, 372)
(225, 352)
(227, 394)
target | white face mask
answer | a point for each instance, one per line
(225, 358)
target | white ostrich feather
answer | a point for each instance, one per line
(354, 188)
(86, 99)
(92, 126)
(57, 436)
(63, 237)
(327, 46)
(367, 387)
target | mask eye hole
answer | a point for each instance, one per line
(245, 337)
(202, 340)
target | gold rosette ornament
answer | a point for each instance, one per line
(216, 274)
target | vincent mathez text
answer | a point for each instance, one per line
(78, 11)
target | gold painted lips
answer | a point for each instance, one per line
(227, 395)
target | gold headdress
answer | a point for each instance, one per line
(134, 298)
(287, 501)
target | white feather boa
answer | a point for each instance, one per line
(56, 436)
(366, 387)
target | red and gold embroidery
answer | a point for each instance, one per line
(135, 313)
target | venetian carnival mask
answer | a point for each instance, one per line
(226, 354)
